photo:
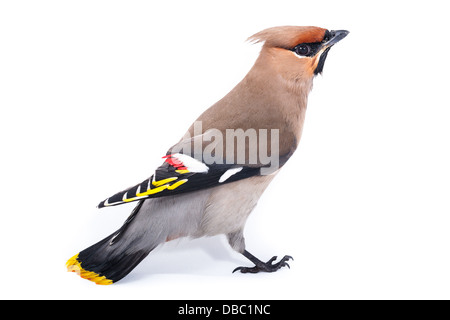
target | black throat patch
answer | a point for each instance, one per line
(321, 63)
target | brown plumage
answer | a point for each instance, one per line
(191, 197)
(274, 93)
(288, 36)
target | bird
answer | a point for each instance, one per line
(211, 179)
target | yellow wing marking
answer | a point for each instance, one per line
(153, 191)
(161, 182)
(157, 189)
(177, 184)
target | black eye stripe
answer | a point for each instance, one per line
(313, 49)
(328, 35)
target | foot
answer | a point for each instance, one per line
(260, 266)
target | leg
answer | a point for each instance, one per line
(237, 242)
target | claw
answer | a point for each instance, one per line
(268, 266)
(238, 268)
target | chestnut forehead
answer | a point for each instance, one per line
(288, 36)
(309, 35)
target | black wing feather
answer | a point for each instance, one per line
(167, 180)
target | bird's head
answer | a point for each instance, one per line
(296, 53)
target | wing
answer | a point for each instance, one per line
(181, 173)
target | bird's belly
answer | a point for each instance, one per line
(228, 206)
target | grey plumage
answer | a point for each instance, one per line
(200, 213)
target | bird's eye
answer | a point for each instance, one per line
(303, 49)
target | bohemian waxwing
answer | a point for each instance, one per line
(211, 180)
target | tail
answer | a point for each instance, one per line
(92, 263)
(114, 257)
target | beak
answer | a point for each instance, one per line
(336, 36)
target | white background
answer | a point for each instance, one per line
(92, 94)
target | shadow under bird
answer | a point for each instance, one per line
(188, 196)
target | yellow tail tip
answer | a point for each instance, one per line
(73, 265)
